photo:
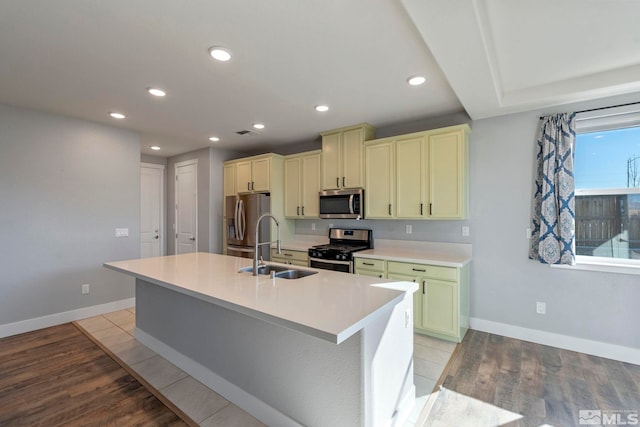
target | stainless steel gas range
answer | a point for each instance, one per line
(338, 254)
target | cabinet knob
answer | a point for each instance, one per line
(421, 208)
(297, 210)
(389, 209)
(337, 181)
(343, 182)
(303, 211)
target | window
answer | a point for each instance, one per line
(607, 181)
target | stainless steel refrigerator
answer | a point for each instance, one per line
(243, 211)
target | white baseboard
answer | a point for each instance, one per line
(234, 394)
(29, 325)
(595, 348)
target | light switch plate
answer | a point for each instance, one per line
(465, 230)
(409, 229)
(122, 232)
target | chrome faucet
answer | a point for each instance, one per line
(258, 243)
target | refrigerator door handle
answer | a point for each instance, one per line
(242, 220)
(236, 222)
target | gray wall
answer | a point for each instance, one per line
(65, 186)
(505, 284)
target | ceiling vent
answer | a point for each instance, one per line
(246, 132)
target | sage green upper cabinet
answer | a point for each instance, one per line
(380, 160)
(253, 175)
(229, 179)
(342, 156)
(411, 175)
(448, 185)
(428, 177)
(302, 185)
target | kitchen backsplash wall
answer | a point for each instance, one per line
(426, 231)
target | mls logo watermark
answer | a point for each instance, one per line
(597, 417)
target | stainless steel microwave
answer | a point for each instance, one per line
(345, 204)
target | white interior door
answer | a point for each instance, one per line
(151, 210)
(186, 225)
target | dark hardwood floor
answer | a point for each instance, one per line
(57, 376)
(494, 380)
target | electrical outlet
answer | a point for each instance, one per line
(330, 225)
(541, 307)
(409, 229)
(528, 233)
(407, 318)
(85, 288)
(465, 230)
(313, 226)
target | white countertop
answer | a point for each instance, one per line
(434, 253)
(328, 305)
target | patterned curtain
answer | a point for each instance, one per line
(553, 236)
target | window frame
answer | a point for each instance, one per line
(597, 120)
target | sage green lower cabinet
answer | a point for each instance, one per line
(441, 304)
(299, 258)
(371, 267)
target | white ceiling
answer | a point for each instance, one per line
(505, 56)
(85, 58)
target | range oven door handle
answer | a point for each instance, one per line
(330, 261)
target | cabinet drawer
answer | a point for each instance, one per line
(435, 272)
(369, 264)
(290, 255)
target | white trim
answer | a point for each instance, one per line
(607, 265)
(596, 348)
(29, 325)
(215, 382)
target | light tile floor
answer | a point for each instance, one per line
(208, 408)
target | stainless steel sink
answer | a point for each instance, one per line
(264, 269)
(294, 274)
(278, 271)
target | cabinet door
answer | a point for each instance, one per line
(446, 163)
(310, 183)
(229, 178)
(379, 181)
(440, 307)
(243, 176)
(260, 173)
(411, 168)
(418, 296)
(352, 141)
(331, 175)
(292, 187)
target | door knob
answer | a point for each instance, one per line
(193, 239)
(156, 237)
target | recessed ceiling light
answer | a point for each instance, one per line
(156, 92)
(214, 139)
(219, 53)
(416, 80)
(117, 115)
(322, 108)
(155, 147)
(258, 125)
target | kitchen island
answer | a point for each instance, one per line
(326, 349)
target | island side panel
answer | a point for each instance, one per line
(311, 381)
(388, 366)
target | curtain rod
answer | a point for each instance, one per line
(603, 108)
